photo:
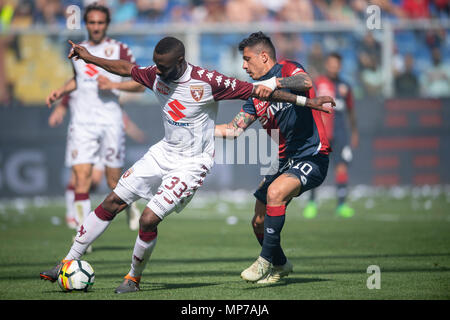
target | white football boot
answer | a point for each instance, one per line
(258, 270)
(277, 272)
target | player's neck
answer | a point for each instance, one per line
(96, 43)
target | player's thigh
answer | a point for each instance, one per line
(142, 180)
(310, 172)
(83, 145)
(178, 188)
(283, 189)
(261, 192)
(112, 151)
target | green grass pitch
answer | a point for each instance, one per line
(199, 256)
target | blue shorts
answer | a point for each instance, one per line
(311, 171)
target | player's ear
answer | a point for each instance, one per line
(264, 56)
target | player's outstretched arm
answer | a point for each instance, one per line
(130, 86)
(233, 129)
(299, 82)
(263, 91)
(120, 67)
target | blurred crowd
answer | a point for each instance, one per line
(23, 13)
(420, 62)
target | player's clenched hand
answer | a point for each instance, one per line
(262, 92)
(52, 97)
(104, 83)
(324, 103)
(78, 52)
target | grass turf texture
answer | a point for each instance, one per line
(199, 256)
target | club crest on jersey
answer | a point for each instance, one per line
(109, 51)
(162, 88)
(197, 92)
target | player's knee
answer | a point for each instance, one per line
(113, 203)
(148, 221)
(275, 194)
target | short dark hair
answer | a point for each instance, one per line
(97, 7)
(170, 44)
(335, 55)
(259, 38)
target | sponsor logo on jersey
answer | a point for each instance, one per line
(176, 107)
(91, 70)
(179, 124)
(197, 92)
(109, 51)
(162, 88)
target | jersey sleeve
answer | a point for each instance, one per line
(144, 75)
(65, 101)
(126, 54)
(249, 107)
(223, 87)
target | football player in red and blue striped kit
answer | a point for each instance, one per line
(303, 151)
(341, 130)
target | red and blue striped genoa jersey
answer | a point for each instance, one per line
(301, 130)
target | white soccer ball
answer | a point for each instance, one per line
(76, 275)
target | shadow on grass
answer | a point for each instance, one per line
(299, 259)
(285, 282)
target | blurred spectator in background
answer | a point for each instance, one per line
(369, 47)
(359, 8)
(435, 81)
(289, 45)
(180, 11)
(151, 10)
(124, 12)
(243, 11)
(369, 59)
(296, 11)
(321, 11)
(316, 60)
(210, 11)
(49, 12)
(416, 9)
(272, 7)
(340, 11)
(435, 38)
(23, 14)
(406, 82)
(370, 75)
(440, 9)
